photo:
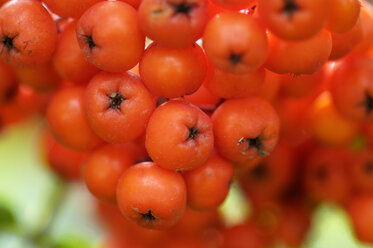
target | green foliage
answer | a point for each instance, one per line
(7, 218)
(70, 241)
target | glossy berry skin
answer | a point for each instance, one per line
(118, 106)
(240, 235)
(245, 128)
(360, 210)
(69, 8)
(41, 78)
(8, 83)
(103, 168)
(344, 43)
(293, 225)
(366, 17)
(68, 59)
(151, 196)
(194, 222)
(28, 34)
(299, 57)
(65, 162)
(352, 88)
(173, 23)
(234, 4)
(235, 43)
(173, 72)
(133, 3)
(67, 120)
(361, 170)
(228, 85)
(179, 136)
(110, 37)
(343, 15)
(294, 19)
(22, 104)
(271, 176)
(208, 185)
(327, 125)
(298, 86)
(270, 87)
(203, 98)
(326, 176)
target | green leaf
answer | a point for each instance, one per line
(72, 241)
(7, 217)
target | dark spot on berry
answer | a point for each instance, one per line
(256, 142)
(253, 142)
(115, 100)
(235, 58)
(368, 167)
(290, 7)
(259, 172)
(8, 43)
(148, 216)
(183, 8)
(89, 41)
(368, 103)
(10, 93)
(193, 133)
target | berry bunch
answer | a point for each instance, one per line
(160, 104)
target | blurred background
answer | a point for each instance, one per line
(40, 210)
(37, 208)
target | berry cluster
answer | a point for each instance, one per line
(159, 131)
